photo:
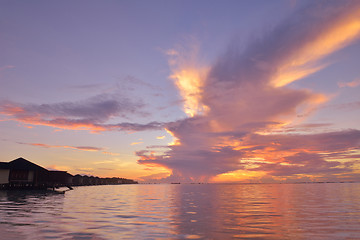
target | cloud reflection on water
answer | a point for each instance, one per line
(186, 211)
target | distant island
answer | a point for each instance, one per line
(23, 174)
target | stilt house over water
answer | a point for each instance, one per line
(21, 173)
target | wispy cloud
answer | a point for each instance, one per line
(132, 82)
(80, 148)
(87, 87)
(351, 84)
(188, 76)
(58, 168)
(303, 128)
(6, 67)
(87, 171)
(90, 114)
(236, 106)
(346, 106)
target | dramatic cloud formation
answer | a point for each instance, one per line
(91, 114)
(188, 76)
(238, 106)
(245, 118)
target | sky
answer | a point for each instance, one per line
(183, 91)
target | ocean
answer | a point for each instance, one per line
(185, 211)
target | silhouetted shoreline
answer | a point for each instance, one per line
(23, 174)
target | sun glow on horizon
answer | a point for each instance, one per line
(239, 176)
(222, 97)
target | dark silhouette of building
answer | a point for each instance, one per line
(21, 173)
(60, 177)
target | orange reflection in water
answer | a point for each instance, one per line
(187, 211)
(266, 211)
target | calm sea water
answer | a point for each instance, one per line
(185, 211)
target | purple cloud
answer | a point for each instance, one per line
(90, 114)
(245, 95)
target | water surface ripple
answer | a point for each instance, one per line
(185, 211)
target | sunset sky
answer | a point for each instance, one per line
(180, 90)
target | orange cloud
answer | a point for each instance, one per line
(73, 116)
(188, 77)
(237, 107)
(58, 168)
(80, 148)
(351, 84)
(190, 82)
(110, 153)
(335, 34)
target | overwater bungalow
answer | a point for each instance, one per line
(21, 173)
